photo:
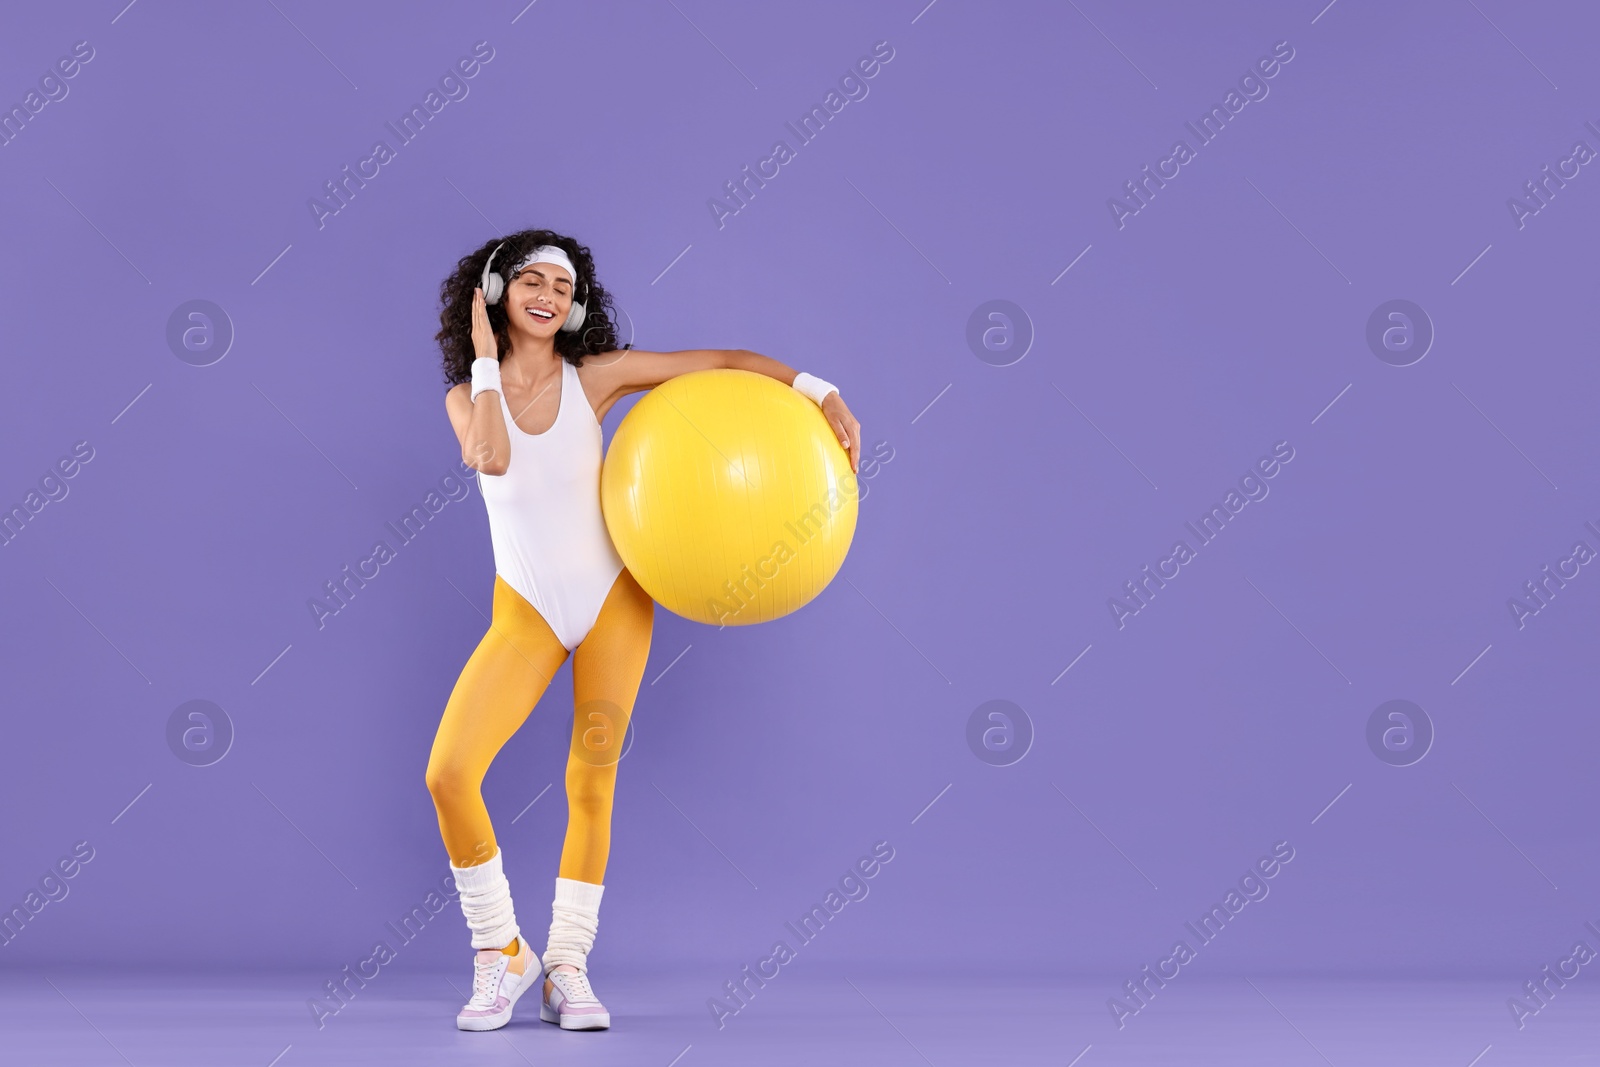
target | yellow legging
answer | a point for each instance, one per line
(502, 681)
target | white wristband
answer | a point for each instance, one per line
(812, 387)
(485, 375)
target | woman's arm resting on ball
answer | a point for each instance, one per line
(634, 370)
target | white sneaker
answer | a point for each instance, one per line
(568, 1000)
(497, 981)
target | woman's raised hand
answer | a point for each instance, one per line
(484, 346)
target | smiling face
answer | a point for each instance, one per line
(538, 299)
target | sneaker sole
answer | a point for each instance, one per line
(575, 1022)
(494, 1022)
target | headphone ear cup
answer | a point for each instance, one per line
(492, 284)
(575, 316)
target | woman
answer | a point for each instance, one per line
(534, 368)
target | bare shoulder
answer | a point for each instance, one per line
(600, 374)
(602, 366)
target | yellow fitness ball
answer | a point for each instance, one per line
(729, 497)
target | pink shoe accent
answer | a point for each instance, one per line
(571, 1003)
(496, 987)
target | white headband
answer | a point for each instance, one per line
(547, 254)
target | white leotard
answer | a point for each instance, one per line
(550, 539)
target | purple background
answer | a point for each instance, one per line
(1224, 317)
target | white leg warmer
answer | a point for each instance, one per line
(575, 918)
(486, 902)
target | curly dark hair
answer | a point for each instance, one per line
(598, 334)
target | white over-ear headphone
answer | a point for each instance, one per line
(494, 287)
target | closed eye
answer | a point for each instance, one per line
(533, 276)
